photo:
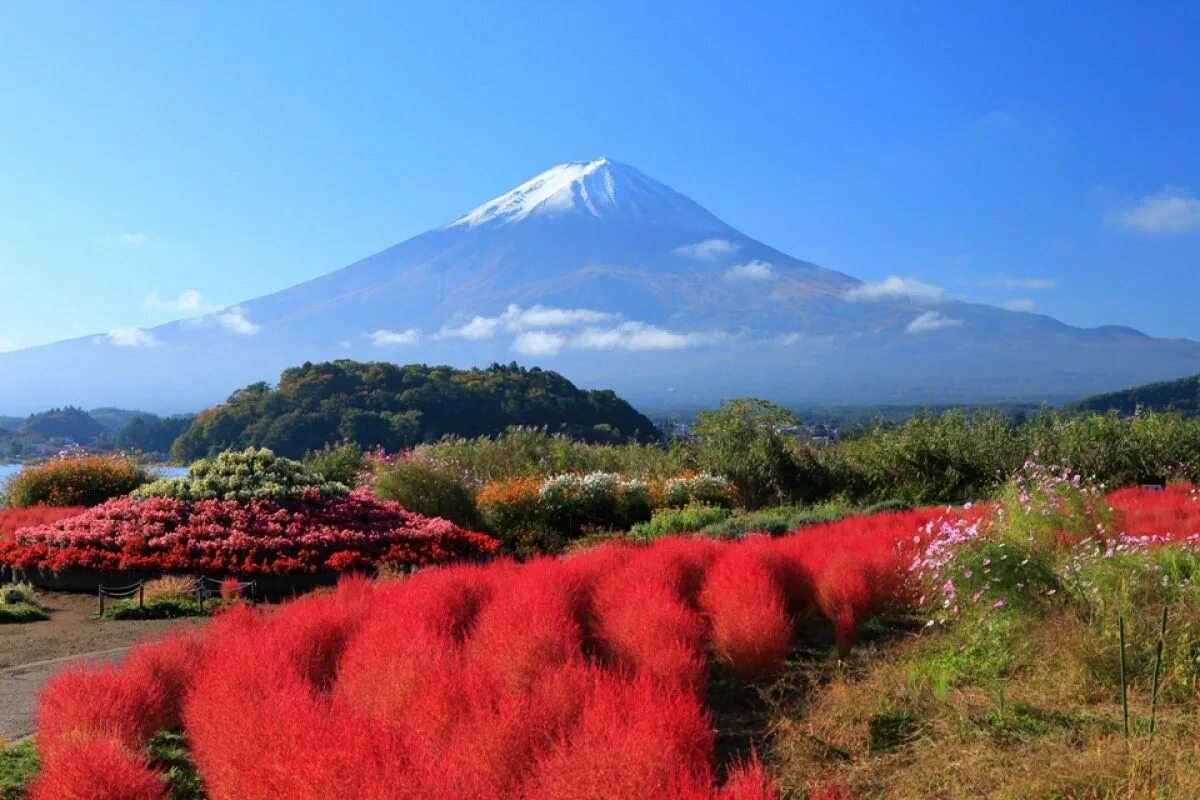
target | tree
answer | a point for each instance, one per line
(741, 440)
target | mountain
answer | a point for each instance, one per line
(600, 272)
(1182, 395)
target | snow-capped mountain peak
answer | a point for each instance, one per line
(602, 188)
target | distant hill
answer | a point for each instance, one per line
(68, 422)
(375, 403)
(114, 419)
(1182, 395)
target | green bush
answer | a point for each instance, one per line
(778, 520)
(689, 519)
(247, 475)
(343, 463)
(427, 489)
(82, 481)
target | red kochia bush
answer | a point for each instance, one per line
(98, 768)
(751, 629)
(635, 740)
(254, 537)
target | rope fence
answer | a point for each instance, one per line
(202, 587)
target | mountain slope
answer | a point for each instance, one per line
(1181, 395)
(602, 273)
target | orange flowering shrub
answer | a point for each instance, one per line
(75, 481)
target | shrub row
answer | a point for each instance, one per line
(531, 510)
(312, 534)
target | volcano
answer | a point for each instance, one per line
(602, 273)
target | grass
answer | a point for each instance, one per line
(168, 752)
(167, 608)
(18, 765)
(735, 523)
(1021, 702)
(18, 604)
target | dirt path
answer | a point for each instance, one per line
(31, 653)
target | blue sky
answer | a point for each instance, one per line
(156, 158)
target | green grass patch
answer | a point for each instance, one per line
(172, 608)
(18, 766)
(168, 752)
(18, 603)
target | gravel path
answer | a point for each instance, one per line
(30, 653)
(19, 687)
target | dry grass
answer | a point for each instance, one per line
(925, 718)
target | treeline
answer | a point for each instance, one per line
(99, 430)
(395, 407)
(930, 458)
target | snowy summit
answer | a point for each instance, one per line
(604, 189)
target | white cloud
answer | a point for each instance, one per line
(386, 338)
(477, 329)
(1037, 284)
(931, 321)
(1171, 211)
(539, 343)
(133, 239)
(516, 319)
(235, 320)
(640, 336)
(131, 337)
(897, 288)
(708, 249)
(188, 300)
(1019, 304)
(7, 344)
(750, 271)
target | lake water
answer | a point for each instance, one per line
(8, 470)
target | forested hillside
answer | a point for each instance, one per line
(379, 404)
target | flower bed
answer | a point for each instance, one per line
(560, 678)
(314, 534)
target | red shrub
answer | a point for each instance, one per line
(749, 782)
(646, 627)
(751, 630)
(254, 537)
(97, 701)
(634, 740)
(13, 519)
(531, 624)
(98, 768)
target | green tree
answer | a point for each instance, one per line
(742, 441)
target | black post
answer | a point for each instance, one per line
(141, 594)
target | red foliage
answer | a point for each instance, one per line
(634, 740)
(749, 782)
(13, 519)
(256, 537)
(751, 629)
(573, 678)
(98, 768)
